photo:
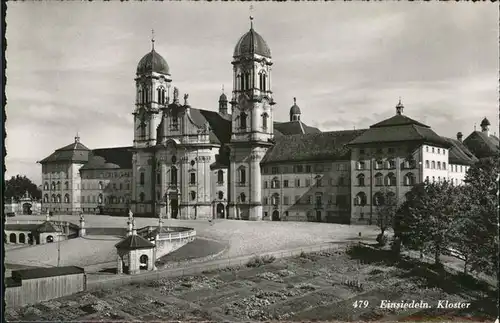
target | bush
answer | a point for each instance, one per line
(382, 239)
(258, 261)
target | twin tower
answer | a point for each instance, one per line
(251, 130)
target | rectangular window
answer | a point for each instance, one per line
(309, 199)
(391, 150)
(286, 200)
(308, 182)
(285, 183)
(308, 168)
(361, 151)
(264, 201)
(274, 170)
(265, 184)
(299, 169)
(192, 178)
(297, 182)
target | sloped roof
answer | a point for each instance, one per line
(75, 152)
(48, 226)
(314, 146)
(46, 272)
(134, 242)
(294, 128)
(21, 226)
(110, 158)
(398, 120)
(482, 145)
(459, 154)
(220, 127)
(399, 128)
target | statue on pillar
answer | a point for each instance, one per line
(186, 96)
(176, 95)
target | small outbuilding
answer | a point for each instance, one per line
(135, 254)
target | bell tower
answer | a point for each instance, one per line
(251, 123)
(152, 90)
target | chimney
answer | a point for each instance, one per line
(459, 136)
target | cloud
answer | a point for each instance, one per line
(73, 69)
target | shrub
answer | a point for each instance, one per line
(382, 239)
(258, 261)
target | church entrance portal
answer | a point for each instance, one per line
(27, 209)
(276, 215)
(174, 208)
(220, 211)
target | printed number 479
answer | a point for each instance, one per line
(360, 304)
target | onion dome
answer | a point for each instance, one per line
(252, 43)
(295, 108)
(485, 123)
(223, 98)
(153, 62)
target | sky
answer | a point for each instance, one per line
(71, 65)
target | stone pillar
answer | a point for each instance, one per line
(255, 196)
(119, 265)
(232, 180)
(214, 210)
(133, 266)
(82, 232)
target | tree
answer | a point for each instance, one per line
(426, 218)
(386, 208)
(17, 186)
(481, 188)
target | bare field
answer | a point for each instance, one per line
(321, 286)
(242, 237)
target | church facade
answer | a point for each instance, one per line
(239, 163)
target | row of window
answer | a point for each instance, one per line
(318, 201)
(302, 168)
(241, 120)
(437, 165)
(388, 164)
(439, 179)
(56, 198)
(244, 81)
(276, 183)
(459, 168)
(435, 150)
(145, 95)
(378, 198)
(389, 180)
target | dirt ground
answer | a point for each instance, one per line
(322, 286)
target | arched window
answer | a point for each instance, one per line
(379, 164)
(444, 165)
(142, 197)
(99, 199)
(220, 195)
(22, 238)
(192, 178)
(160, 92)
(139, 96)
(379, 179)
(433, 165)
(58, 198)
(265, 116)
(361, 180)
(439, 179)
(427, 164)
(53, 198)
(242, 172)
(433, 179)
(247, 81)
(378, 199)
(220, 177)
(46, 198)
(141, 178)
(275, 200)
(46, 186)
(242, 197)
(173, 175)
(438, 165)
(193, 195)
(390, 179)
(275, 183)
(360, 165)
(66, 185)
(53, 186)
(360, 199)
(58, 186)
(409, 179)
(391, 164)
(243, 120)
(66, 198)
(239, 82)
(262, 81)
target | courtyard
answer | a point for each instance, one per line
(319, 286)
(241, 237)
